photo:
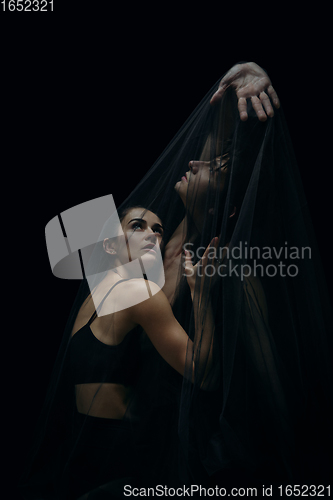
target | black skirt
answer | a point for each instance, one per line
(103, 453)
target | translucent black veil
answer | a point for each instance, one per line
(258, 404)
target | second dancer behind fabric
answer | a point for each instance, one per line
(269, 418)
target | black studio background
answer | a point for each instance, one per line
(65, 90)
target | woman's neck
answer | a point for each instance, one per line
(175, 245)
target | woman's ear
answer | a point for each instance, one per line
(108, 246)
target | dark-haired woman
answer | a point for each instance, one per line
(104, 353)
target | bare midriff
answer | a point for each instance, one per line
(104, 400)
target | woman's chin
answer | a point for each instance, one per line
(152, 261)
(181, 191)
(177, 186)
(149, 257)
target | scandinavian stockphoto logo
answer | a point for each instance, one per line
(234, 261)
(74, 241)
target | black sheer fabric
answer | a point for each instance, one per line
(254, 403)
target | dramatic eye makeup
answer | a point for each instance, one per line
(158, 228)
(138, 223)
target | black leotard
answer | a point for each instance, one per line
(93, 361)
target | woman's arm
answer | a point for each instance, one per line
(200, 285)
(166, 334)
(172, 261)
(156, 318)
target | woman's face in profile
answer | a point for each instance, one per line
(201, 176)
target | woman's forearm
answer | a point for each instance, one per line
(203, 339)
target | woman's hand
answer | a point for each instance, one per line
(198, 272)
(249, 81)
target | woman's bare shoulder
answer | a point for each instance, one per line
(139, 284)
(130, 293)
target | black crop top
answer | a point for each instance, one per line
(93, 361)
